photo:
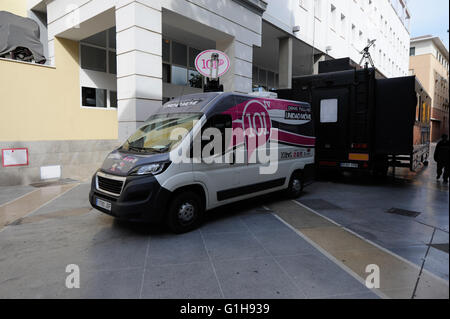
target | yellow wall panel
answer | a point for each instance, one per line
(18, 7)
(43, 103)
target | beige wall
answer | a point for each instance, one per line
(18, 7)
(39, 103)
(421, 65)
(424, 67)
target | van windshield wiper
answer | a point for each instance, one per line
(138, 149)
(146, 149)
(159, 149)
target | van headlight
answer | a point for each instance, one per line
(154, 169)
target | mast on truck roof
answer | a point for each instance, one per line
(366, 55)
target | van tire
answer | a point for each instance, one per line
(295, 188)
(185, 212)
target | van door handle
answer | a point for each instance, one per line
(233, 158)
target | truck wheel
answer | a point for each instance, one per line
(185, 212)
(295, 186)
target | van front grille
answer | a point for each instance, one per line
(109, 185)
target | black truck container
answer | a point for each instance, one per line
(364, 123)
(337, 65)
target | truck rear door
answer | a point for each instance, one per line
(331, 107)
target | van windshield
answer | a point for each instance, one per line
(154, 135)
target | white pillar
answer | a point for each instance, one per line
(239, 76)
(285, 63)
(139, 62)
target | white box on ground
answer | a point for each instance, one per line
(48, 172)
(15, 157)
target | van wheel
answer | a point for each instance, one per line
(184, 213)
(295, 186)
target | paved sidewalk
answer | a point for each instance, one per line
(246, 253)
(315, 248)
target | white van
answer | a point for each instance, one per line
(205, 150)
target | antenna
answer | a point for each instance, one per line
(212, 82)
(214, 65)
(366, 55)
(181, 96)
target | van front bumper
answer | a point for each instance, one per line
(142, 199)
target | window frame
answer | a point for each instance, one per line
(188, 68)
(107, 50)
(256, 83)
(206, 126)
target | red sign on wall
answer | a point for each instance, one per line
(15, 157)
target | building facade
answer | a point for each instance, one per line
(111, 63)
(429, 61)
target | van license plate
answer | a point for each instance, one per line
(103, 204)
(349, 165)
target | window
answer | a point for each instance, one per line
(329, 111)
(192, 55)
(264, 78)
(343, 28)
(113, 99)
(333, 16)
(412, 51)
(112, 38)
(255, 74)
(93, 59)
(112, 64)
(178, 75)
(166, 50)
(178, 66)
(98, 52)
(353, 34)
(270, 80)
(93, 97)
(220, 122)
(98, 39)
(179, 53)
(166, 73)
(155, 135)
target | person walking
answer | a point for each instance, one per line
(441, 157)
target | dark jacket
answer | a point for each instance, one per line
(441, 154)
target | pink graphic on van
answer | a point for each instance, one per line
(257, 121)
